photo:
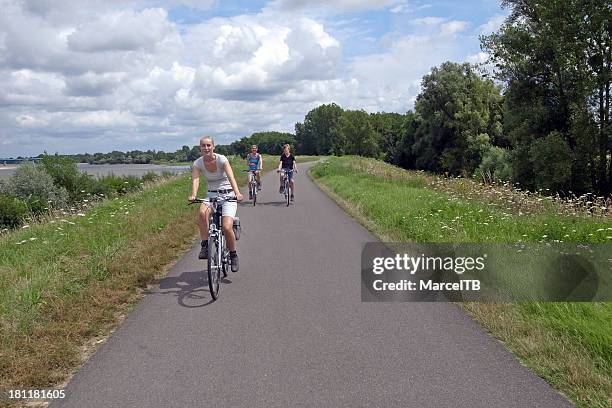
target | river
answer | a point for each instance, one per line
(99, 170)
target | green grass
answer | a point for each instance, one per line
(557, 340)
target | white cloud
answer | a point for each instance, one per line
(124, 31)
(478, 58)
(334, 5)
(391, 79)
(453, 27)
(492, 24)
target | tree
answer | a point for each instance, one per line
(555, 57)
(361, 139)
(389, 126)
(316, 135)
(456, 105)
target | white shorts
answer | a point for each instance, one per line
(229, 207)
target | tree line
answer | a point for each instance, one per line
(541, 120)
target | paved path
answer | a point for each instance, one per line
(289, 330)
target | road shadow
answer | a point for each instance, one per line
(271, 204)
(190, 288)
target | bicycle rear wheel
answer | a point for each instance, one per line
(214, 268)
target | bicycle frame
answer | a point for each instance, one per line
(287, 185)
(253, 185)
(218, 254)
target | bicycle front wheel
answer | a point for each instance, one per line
(288, 194)
(254, 192)
(214, 268)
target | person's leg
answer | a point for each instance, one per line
(258, 180)
(280, 187)
(291, 184)
(230, 239)
(202, 219)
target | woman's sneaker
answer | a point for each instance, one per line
(234, 261)
(203, 250)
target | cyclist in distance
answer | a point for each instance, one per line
(218, 172)
(255, 163)
(287, 162)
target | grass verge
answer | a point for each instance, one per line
(65, 284)
(567, 344)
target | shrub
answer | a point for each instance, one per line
(66, 174)
(35, 186)
(120, 184)
(12, 211)
(149, 177)
(495, 165)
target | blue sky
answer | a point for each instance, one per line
(89, 76)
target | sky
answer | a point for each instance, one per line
(85, 76)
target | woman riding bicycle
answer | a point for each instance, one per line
(255, 163)
(221, 183)
(287, 162)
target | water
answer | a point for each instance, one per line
(99, 170)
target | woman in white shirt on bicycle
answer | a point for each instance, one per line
(218, 172)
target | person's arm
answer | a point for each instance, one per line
(260, 162)
(295, 164)
(280, 163)
(195, 182)
(230, 176)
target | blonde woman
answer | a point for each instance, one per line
(218, 172)
(288, 163)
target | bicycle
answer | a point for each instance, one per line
(253, 188)
(287, 185)
(218, 254)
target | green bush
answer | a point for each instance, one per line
(66, 174)
(120, 184)
(149, 177)
(35, 186)
(495, 165)
(12, 211)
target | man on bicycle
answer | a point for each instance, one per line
(255, 163)
(287, 162)
(218, 172)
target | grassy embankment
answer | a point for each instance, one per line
(65, 284)
(568, 344)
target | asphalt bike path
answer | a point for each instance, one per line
(290, 330)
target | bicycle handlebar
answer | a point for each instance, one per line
(211, 200)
